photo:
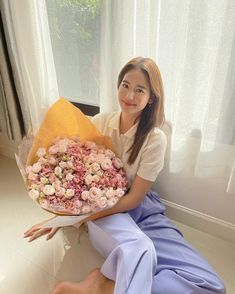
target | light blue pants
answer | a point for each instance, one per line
(145, 253)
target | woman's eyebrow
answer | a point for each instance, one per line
(139, 86)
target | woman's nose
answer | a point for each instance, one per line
(130, 95)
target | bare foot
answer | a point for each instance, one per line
(94, 283)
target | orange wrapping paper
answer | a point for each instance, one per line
(63, 119)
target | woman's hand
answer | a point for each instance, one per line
(37, 231)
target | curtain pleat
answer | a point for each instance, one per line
(11, 122)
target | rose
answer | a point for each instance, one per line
(117, 163)
(69, 193)
(119, 193)
(94, 193)
(101, 202)
(34, 194)
(110, 193)
(48, 190)
(41, 152)
(106, 164)
(109, 153)
(86, 209)
(111, 202)
(36, 167)
(85, 195)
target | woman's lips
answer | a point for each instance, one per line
(128, 104)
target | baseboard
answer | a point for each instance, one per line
(200, 221)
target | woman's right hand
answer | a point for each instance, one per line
(37, 231)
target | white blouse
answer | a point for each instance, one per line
(150, 159)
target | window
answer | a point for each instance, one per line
(75, 35)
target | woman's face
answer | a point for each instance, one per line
(133, 92)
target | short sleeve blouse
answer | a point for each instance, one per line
(150, 159)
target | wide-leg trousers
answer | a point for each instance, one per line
(145, 253)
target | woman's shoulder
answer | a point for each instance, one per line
(158, 136)
(104, 119)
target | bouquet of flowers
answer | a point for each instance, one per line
(70, 168)
(75, 178)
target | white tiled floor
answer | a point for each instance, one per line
(27, 268)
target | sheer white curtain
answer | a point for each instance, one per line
(26, 24)
(193, 42)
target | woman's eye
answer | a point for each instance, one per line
(125, 85)
(139, 91)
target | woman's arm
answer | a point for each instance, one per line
(131, 200)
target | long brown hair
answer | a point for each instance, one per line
(153, 114)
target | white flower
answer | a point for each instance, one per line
(88, 179)
(111, 202)
(85, 195)
(44, 180)
(96, 178)
(85, 209)
(69, 193)
(109, 153)
(110, 193)
(48, 190)
(53, 149)
(62, 145)
(52, 160)
(90, 145)
(41, 152)
(69, 177)
(95, 167)
(106, 164)
(60, 192)
(28, 169)
(100, 158)
(78, 203)
(58, 171)
(117, 163)
(94, 193)
(119, 192)
(69, 164)
(34, 194)
(101, 202)
(36, 167)
(63, 164)
(32, 176)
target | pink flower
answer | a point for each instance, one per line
(75, 178)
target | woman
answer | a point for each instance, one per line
(144, 252)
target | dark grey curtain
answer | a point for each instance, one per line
(11, 119)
